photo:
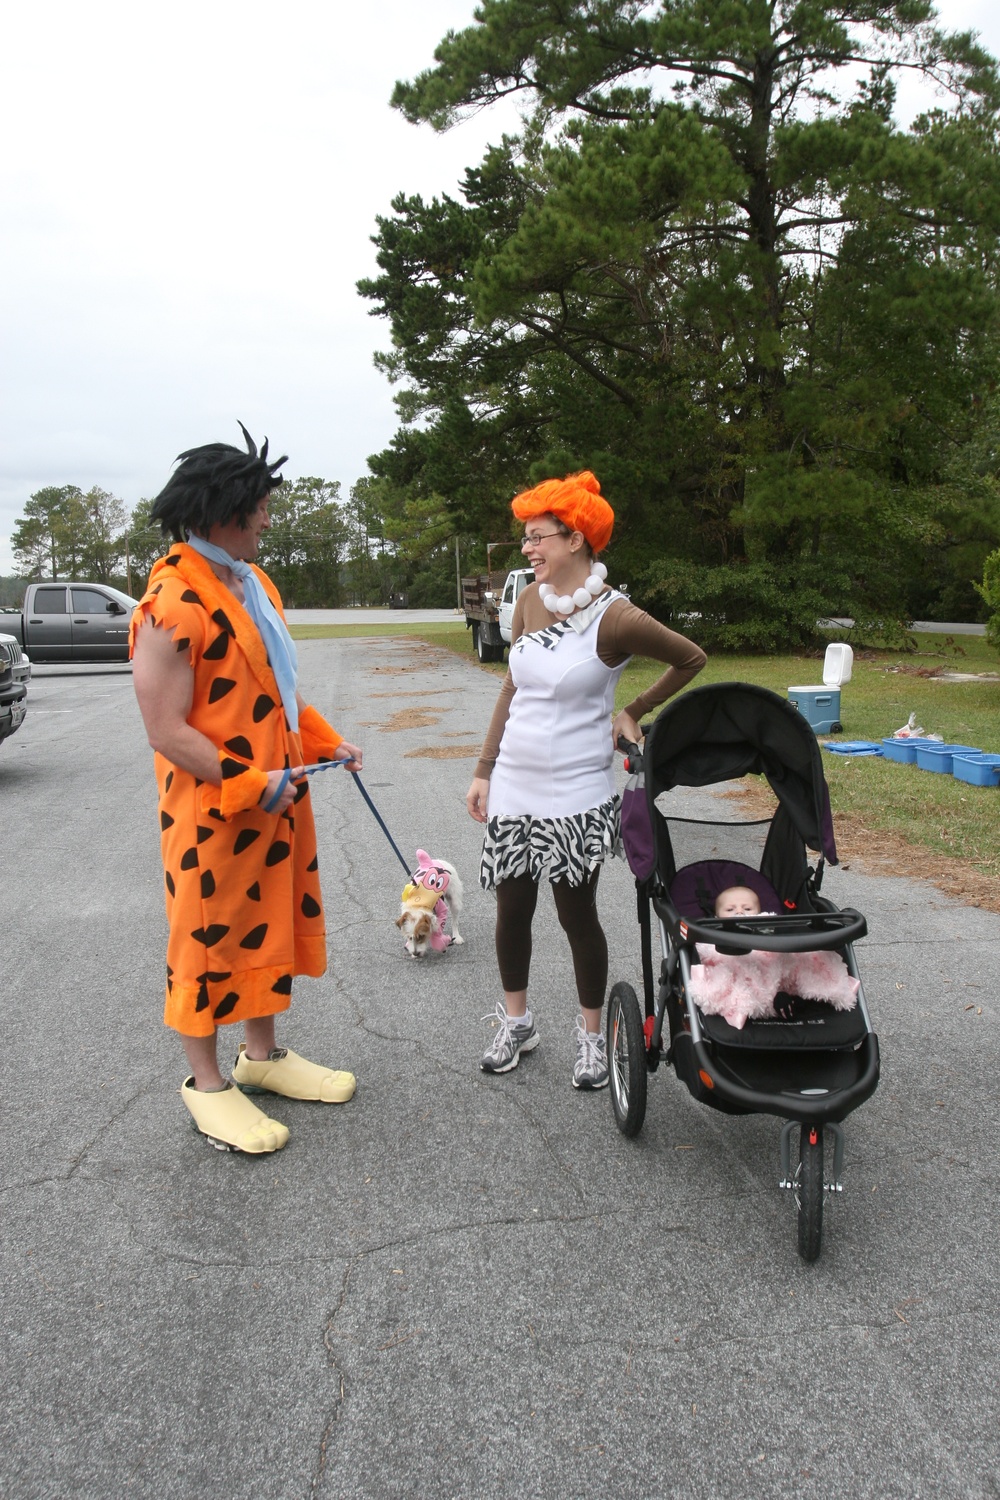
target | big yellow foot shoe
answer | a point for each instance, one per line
(290, 1075)
(231, 1122)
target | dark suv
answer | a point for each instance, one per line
(15, 670)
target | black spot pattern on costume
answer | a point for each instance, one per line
(301, 790)
(220, 687)
(166, 821)
(205, 833)
(310, 908)
(207, 885)
(189, 859)
(209, 935)
(313, 863)
(217, 650)
(216, 813)
(262, 707)
(232, 768)
(278, 851)
(168, 781)
(227, 1004)
(254, 937)
(202, 1000)
(253, 891)
(190, 597)
(222, 619)
(282, 986)
(171, 562)
(170, 882)
(240, 745)
(157, 589)
(183, 643)
(245, 838)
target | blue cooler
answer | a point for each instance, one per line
(820, 703)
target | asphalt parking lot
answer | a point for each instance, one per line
(457, 1286)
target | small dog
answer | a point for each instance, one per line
(432, 896)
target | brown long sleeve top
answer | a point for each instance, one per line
(623, 630)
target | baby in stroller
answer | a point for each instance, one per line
(748, 986)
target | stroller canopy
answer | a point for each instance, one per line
(732, 729)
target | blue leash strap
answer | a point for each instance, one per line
(325, 765)
(286, 776)
(381, 824)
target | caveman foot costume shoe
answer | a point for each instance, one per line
(231, 1122)
(292, 1076)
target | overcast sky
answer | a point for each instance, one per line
(188, 198)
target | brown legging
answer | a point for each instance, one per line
(576, 906)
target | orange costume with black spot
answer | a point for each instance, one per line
(242, 885)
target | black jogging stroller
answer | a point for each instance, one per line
(809, 1064)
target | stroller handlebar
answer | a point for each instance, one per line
(781, 933)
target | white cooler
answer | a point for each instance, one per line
(820, 705)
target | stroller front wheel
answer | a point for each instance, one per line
(809, 1190)
(626, 1059)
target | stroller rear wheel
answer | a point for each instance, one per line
(626, 1059)
(809, 1190)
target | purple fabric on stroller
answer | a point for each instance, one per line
(696, 887)
(637, 831)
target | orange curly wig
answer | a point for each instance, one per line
(576, 501)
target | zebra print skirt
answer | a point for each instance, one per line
(550, 849)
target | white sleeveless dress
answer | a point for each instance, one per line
(553, 812)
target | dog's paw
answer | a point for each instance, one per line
(456, 940)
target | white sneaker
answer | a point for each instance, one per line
(512, 1038)
(591, 1068)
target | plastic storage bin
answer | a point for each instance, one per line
(939, 757)
(976, 770)
(819, 703)
(905, 750)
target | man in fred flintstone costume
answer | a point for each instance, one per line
(215, 676)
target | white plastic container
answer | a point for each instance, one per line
(820, 702)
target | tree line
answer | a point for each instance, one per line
(714, 269)
(320, 551)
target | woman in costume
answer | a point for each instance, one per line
(544, 785)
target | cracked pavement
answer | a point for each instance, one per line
(457, 1286)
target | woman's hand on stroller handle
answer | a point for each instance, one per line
(625, 733)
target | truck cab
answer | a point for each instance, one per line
(517, 582)
(76, 622)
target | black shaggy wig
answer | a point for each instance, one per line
(214, 485)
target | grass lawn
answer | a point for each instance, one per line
(893, 816)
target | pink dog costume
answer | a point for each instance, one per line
(426, 889)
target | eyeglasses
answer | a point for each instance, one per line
(538, 536)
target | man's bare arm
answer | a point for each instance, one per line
(164, 686)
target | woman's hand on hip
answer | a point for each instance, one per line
(477, 797)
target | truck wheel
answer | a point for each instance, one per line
(483, 650)
(475, 636)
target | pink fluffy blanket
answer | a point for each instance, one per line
(743, 987)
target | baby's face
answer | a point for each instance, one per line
(739, 902)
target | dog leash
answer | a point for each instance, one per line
(326, 765)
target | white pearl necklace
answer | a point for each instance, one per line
(568, 604)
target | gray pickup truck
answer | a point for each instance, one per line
(73, 622)
(15, 672)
